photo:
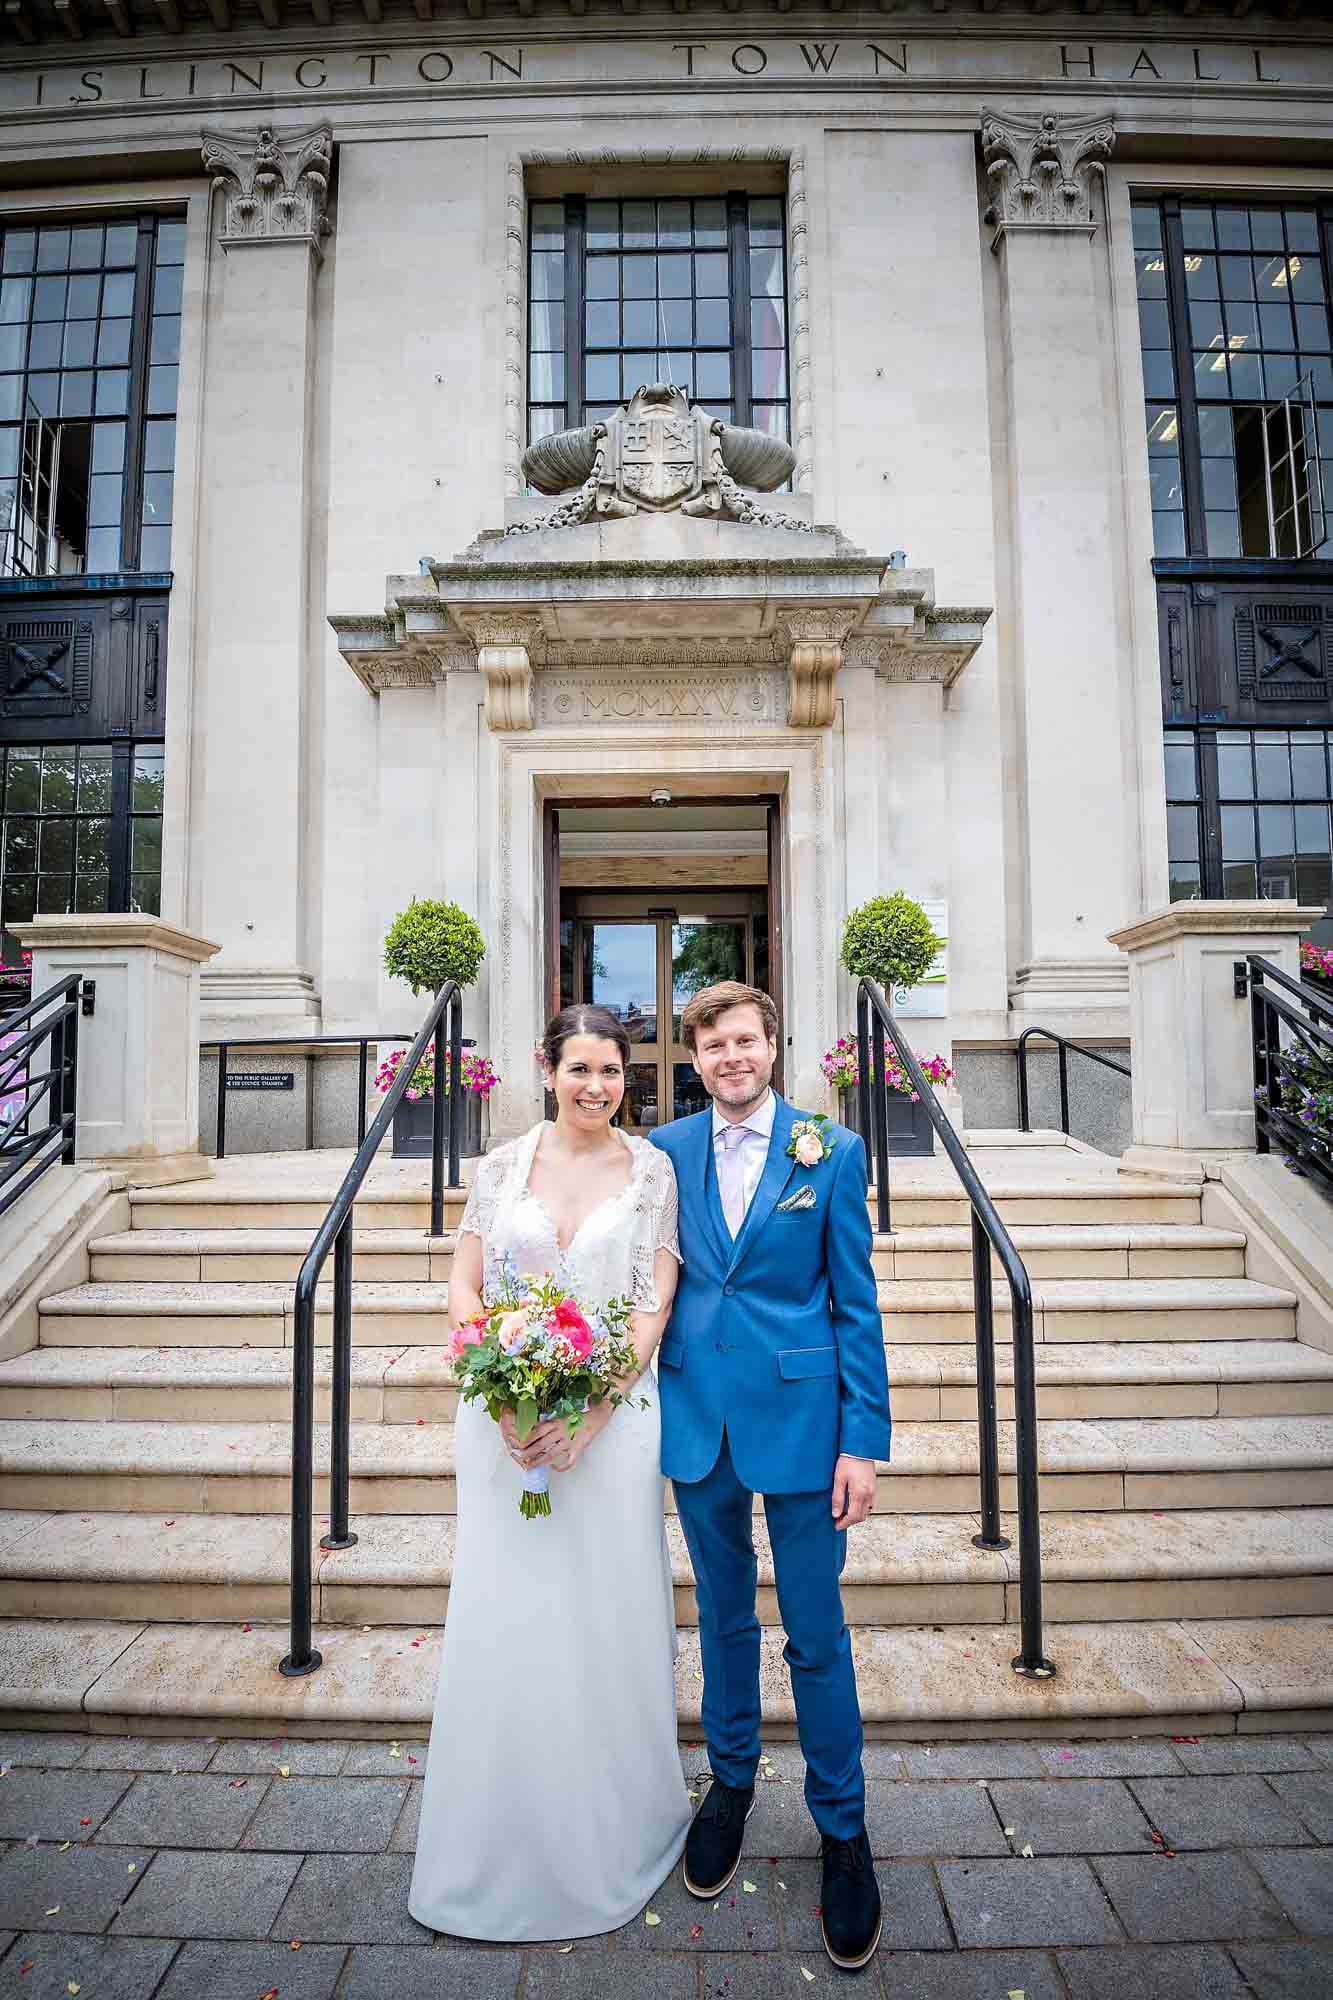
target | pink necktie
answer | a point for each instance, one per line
(731, 1176)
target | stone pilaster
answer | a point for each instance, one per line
(256, 528)
(1062, 623)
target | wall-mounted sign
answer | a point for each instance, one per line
(262, 1079)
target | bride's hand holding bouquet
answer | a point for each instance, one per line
(536, 1357)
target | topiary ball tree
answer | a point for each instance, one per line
(889, 939)
(429, 943)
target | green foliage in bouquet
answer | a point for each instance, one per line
(890, 939)
(430, 942)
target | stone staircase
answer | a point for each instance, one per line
(1186, 1459)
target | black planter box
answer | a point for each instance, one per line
(412, 1127)
(909, 1128)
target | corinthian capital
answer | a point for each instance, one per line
(276, 188)
(1040, 168)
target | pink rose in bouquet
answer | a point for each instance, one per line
(536, 1352)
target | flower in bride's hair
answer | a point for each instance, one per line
(567, 1319)
(809, 1149)
(512, 1331)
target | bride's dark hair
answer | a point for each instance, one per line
(582, 1021)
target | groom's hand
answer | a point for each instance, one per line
(853, 1490)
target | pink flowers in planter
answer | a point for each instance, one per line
(842, 1068)
(1317, 962)
(478, 1076)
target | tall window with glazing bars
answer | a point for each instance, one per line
(89, 347)
(689, 290)
(1237, 342)
(1238, 376)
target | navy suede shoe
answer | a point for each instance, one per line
(713, 1845)
(851, 1917)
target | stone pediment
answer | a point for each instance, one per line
(657, 589)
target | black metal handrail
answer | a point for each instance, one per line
(335, 1233)
(360, 1042)
(1310, 1028)
(874, 1021)
(22, 1032)
(1064, 1045)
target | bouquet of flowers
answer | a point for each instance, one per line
(536, 1352)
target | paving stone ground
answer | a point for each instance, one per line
(268, 1869)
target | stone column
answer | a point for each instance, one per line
(1077, 822)
(138, 1089)
(1193, 1082)
(256, 532)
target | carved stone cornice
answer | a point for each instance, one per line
(632, 597)
(275, 188)
(1041, 168)
(816, 635)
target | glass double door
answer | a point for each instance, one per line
(644, 962)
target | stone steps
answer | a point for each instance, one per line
(902, 1569)
(230, 1313)
(1110, 1464)
(1143, 1250)
(406, 1385)
(1176, 1676)
(920, 1198)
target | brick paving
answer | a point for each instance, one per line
(193, 1869)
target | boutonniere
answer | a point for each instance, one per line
(809, 1147)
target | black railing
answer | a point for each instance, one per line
(1293, 1070)
(874, 1021)
(1063, 1047)
(335, 1233)
(361, 1043)
(26, 1149)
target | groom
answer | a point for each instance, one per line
(772, 1380)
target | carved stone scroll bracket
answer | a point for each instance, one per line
(1041, 169)
(505, 649)
(275, 188)
(816, 637)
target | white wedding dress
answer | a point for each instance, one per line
(554, 1803)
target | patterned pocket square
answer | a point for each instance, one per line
(804, 1197)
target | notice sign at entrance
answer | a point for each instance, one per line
(262, 1079)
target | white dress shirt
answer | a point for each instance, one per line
(758, 1128)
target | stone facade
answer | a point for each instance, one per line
(375, 681)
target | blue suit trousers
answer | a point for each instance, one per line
(808, 1555)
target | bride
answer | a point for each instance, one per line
(554, 1803)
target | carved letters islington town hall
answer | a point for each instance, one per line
(485, 69)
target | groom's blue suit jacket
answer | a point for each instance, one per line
(776, 1335)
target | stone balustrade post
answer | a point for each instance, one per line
(1191, 1052)
(138, 1084)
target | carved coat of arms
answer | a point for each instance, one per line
(656, 453)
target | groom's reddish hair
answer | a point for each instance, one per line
(705, 1007)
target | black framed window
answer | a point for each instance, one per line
(1250, 814)
(80, 829)
(1237, 341)
(89, 350)
(690, 290)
